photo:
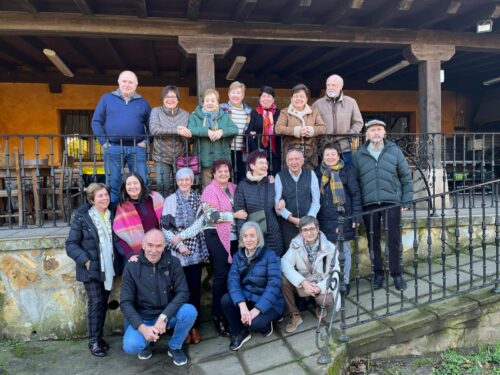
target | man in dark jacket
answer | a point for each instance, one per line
(385, 180)
(154, 295)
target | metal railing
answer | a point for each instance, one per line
(55, 169)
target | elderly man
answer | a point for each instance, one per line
(297, 194)
(305, 267)
(341, 115)
(154, 296)
(385, 180)
(121, 123)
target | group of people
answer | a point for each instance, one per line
(268, 238)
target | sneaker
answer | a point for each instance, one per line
(180, 359)
(293, 323)
(378, 280)
(240, 339)
(347, 290)
(268, 332)
(145, 353)
(399, 282)
(279, 320)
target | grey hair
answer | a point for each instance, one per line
(338, 78)
(251, 224)
(184, 172)
(128, 72)
(306, 220)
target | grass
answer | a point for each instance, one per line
(484, 360)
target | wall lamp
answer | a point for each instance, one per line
(491, 81)
(484, 26)
(235, 69)
(58, 63)
(393, 69)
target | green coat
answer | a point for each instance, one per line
(208, 150)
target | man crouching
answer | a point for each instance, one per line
(154, 293)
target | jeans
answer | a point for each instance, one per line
(115, 158)
(164, 178)
(134, 341)
(347, 263)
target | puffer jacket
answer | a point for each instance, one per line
(387, 180)
(289, 125)
(82, 245)
(208, 150)
(151, 289)
(262, 284)
(250, 196)
(328, 215)
(163, 123)
(296, 267)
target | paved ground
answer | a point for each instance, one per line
(280, 353)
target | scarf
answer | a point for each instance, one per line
(331, 175)
(253, 178)
(127, 224)
(185, 212)
(105, 244)
(210, 119)
(268, 126)
(215, 197)
(312, 252)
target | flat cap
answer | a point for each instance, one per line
(375, 122)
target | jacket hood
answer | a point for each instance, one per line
(258, 253)
(291, 110)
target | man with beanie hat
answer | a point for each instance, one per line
(385, 180)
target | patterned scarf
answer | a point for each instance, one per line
(105, 244)
(210, 119)
(185, 213)
(331, 175)
(268, 126)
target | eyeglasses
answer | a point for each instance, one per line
(308, 229)
(170, 97)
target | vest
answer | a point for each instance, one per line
(297, 195)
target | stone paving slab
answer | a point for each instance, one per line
(228, 364)
(303, 343)
(266, 356)
(289, 369)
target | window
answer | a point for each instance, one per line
(77, 131)
(397, 122)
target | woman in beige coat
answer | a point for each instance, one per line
(300, 125)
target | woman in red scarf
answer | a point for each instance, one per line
(261, 128)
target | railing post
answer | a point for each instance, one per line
(497, 242)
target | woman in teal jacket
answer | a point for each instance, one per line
(212, 126)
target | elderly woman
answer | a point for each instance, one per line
(301, 124)
(340, 195)
(220, 234)
(212, 126)
(137, 212)
(305, 268)
(255, 194)
(168, 123)
(261, 127)
(254, 299)
(90, 245)
(182, 222)
(240, 114)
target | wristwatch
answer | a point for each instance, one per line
(163, 317)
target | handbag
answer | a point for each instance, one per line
(189, 161)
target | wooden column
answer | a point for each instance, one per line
(205, 49)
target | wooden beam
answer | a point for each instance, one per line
(384, 13)
(141, 8)
(292, 10)
(20, 58)
(117, 56)
(336, 67)
(434, 14)
(183, 66)
(469, 20)
(29, 5)
(264, 33)
(300, 59)
(151, 54)
(286, 59)
(244, 9)
(405, 4)
(454, 6)
(81, 52)
(326, 57)
(356, 4)
(193, 9)
(356, 69)
(84, 7)
(336, 13)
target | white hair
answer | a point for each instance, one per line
(338, 78)
(128, 72)
(248, 225)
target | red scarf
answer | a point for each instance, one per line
(268, 126)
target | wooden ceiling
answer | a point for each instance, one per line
(96, 58)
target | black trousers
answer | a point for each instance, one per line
(239, 166)
(193, 279)
(97, 306)
(220, 266)
(232, 314)
(393, 239)
(289, 231)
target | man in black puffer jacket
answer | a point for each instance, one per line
(154, 295)
(385, 180)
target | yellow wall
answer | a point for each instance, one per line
(32, 109)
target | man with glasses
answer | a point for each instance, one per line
(297, 194)
(305, 267)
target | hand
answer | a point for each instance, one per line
(271, 179)
(404, 209)
(246, 318)
(160, 326)
(133, 258)
(303, 131)
(294, 220)
(211, 135)
(219, 133)
(184, 250)
(310, 288)
(87, 265)
(174, 241)
(141, 144)
(310, 131)
(240, 214)
(253, 134)
(281, 205)
(254, 313)
(184, 132)
(149, 333)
